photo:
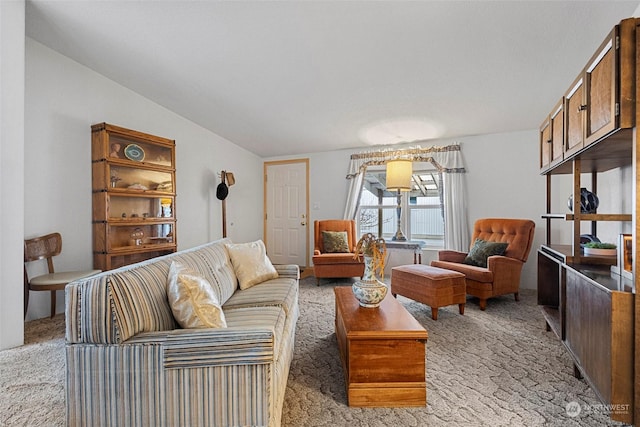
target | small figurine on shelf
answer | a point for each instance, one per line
(136, 237)
(115, 150)
(114, 180)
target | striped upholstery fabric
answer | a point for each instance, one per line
(226, 396)
(280, 292)
(115, 385)
(128, 365)
(88, 312)
(213, 263)
(260, 317)
(290, 271)
(139, 301)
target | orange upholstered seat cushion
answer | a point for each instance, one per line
(479, 274)
(336, 258)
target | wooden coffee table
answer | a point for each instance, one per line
(382, 351)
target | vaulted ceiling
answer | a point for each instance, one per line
(293, 77)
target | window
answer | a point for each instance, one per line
(421, 215)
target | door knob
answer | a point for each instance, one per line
(303, 223)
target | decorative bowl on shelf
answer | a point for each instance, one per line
(134, 152)
(600, 249)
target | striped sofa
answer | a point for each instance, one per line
(129, 364)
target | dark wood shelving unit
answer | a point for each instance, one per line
(587, 306)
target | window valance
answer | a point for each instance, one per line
(446, 159)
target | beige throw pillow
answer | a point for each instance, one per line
(192, 300)
(251, 263)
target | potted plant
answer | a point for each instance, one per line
(598, 248)
(370, 291)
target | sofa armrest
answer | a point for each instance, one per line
(184, 348)
(291, 271)
(218, 347)
(451, 256)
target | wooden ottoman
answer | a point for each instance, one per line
(433, 286)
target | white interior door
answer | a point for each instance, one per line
(286, 211)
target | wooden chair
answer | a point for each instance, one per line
(502, 274)
(46, 247)
(333, 264)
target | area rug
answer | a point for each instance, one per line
(497, 367)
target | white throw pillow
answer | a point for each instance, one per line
(251, 263)
(192, 300)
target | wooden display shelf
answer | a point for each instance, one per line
(140, 165)
(565, 254)
(122, 215)
(145, 246)
(122, 191)
(600, 217)
(111, 261)
(139, 221)
(588, 217)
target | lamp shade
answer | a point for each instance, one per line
(399, 175)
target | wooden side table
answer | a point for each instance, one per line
(382, 351)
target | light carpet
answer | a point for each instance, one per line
(497, 367)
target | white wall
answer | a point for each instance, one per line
(12, 16)
(63, 99)
(502, 179)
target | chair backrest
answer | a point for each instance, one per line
(43, 247)
(347, 225)
(517, 232)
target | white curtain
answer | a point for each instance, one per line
(448, 161)
(353, 198)
(456, 234)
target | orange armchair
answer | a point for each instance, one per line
(502, 273)
(336, 264)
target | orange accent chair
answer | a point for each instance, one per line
(331, 265)
(502, 274)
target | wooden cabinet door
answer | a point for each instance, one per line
(600, 337)
(600, 91)
(557, 133)
(574, 117)
(552, 137)
(545, 143)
